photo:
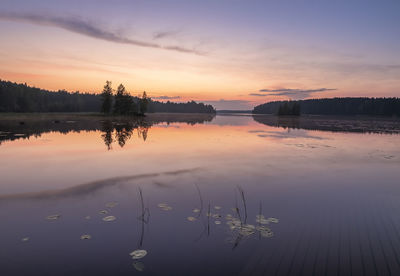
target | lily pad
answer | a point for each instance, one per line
(109, 218)
(86, 237)
(111, 204)
(191, 218)
(245, 231)
(139, 266)
(263, 228)
(266, 234)
(273, 220)
(138, 254)
(103, 212)
(53, 217)
(262, 221)
(228, 217)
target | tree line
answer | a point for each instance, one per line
(16, 97)
(289, 108)
(122, 103)
(334, 106)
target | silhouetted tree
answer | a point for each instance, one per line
(143, 102)
(124, 104)
(107, 98)
(128, 105)
(119, 98)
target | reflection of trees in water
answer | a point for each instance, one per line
(123, 132)
(142, 132)
(361, 124)
(24, 127)
(107, 128)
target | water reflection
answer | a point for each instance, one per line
(122, 131)
(118, 129)
(360, 124)
(243, 198)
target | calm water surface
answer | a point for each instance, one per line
(224, 195)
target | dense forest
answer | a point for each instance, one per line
(23, 98)
(334, 106)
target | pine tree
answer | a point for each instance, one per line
(106, 97)
(143, 102)
(119, 100)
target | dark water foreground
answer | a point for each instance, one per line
(199, 195)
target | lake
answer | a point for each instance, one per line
(193, 194)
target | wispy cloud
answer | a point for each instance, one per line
(292, 93)
(164, 34)
(166, 98)
(88, 28)
(230, 104)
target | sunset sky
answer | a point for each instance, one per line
(230, 53)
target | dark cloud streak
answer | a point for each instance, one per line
(294, 93)
(164, 34)
(87, 28)
(166, 98)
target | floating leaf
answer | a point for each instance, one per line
(216, 216)
(229, 217)
(249, 226)
(263, 228)
(111, 204)
(245, 231)
(266, 234)
(103, 212)
(262, 221)
(53, 217)
(217, 222)
(191, 218)
(139, 266)
(167, 208)
(86, 237)
(162, 205)
(196, 210)
(109, 218)
(273, 220)
(138, 254)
